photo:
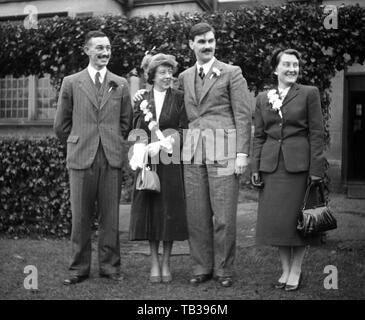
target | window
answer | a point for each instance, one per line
(46, 99)
(14, 97)
(27, 99)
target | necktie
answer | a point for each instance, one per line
(201, 73)
(97, 80)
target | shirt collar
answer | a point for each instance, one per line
(92, 72)
(206, 66)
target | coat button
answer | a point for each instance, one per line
(279, 140)
(280, 124)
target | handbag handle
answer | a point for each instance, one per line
(321, 192)
(145, 162)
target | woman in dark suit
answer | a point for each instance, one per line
(288, 150)
(161, 216)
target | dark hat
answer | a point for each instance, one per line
(159, 59)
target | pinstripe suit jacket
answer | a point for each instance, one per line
(82, 123)
(299, 135)
(223, 104)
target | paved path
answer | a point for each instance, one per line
(350, 214)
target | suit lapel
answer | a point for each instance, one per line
(166, 106)
(87, 85)
(190, 78)
(210, 79)
(292, 93)
(151, 101)
(107, 93)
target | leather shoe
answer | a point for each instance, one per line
(114, 277)
(279, 285)
(200, 278)
(74, 280)
(225, 281)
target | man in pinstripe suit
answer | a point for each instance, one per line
(93, 117)
(217, 105)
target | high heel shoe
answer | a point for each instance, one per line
(167, 279)
(290, 287)
(279, 285)
(155, 279)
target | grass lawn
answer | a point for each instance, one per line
(256, 268)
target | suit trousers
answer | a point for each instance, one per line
(211, 200)
(95, 189)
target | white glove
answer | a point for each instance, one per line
(167, 143)
(153, 148)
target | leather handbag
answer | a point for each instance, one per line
(148, 179)
(317, 219)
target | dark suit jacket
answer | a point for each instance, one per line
(82, 124)
(299, 135)
(172, 119)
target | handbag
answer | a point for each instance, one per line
(148, 179)
(318, 219)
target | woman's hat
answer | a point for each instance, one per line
(159, 59)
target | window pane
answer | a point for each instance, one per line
(14, 98)
(46, 99)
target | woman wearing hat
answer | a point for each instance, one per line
(288, 148)
(161, 216)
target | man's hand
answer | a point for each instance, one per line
(139, 95)
(241, 164)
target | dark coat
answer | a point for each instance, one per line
(299, 135)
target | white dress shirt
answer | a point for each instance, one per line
(159, 99)
(206, 66)
(92, 72)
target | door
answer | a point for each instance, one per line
(356, 136)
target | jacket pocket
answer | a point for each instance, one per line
(72, 139)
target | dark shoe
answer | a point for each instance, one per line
(114, 277)
(279, 285)
(74, 280)
(225, 281)
(167, 279)
(295, 287)
(200, 278)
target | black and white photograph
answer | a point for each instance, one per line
(182, 155)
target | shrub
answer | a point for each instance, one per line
(35, 188)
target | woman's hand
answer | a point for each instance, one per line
(315, 179)
(153, 148)
(256, 180)
(139, 95)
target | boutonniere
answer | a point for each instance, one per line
(215, 73)
(275, 100)
(112, 85)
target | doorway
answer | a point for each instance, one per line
(356, 135)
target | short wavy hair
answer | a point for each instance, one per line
(157, 60)
(275, 59)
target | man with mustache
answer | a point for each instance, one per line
(217, 106)
(93, 117)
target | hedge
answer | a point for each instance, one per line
(245, 37)
(35, 188)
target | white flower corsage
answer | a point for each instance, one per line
(215, 72)
(275, 101)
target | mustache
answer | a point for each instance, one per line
(207, 50)
(101, 56)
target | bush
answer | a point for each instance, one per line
(246, 37)
(35, 188)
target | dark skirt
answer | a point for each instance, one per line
(279, 203)
(160, 216)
